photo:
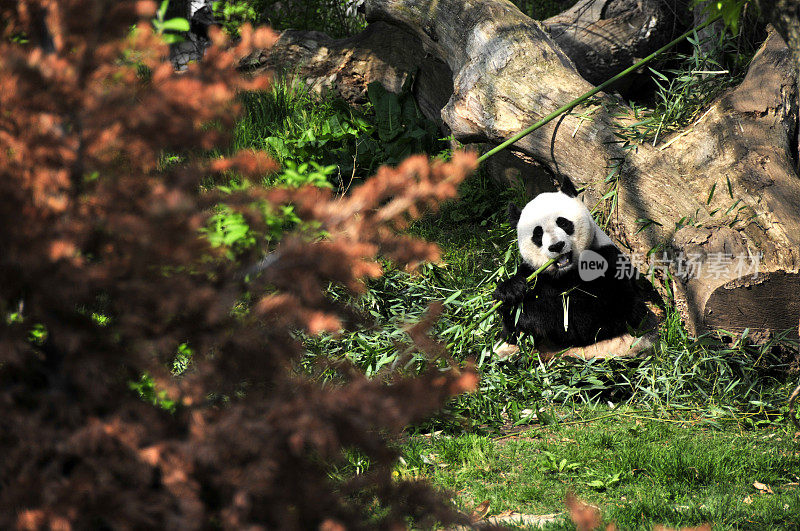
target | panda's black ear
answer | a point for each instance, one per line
(568, 188)
(513, 214)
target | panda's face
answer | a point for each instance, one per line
(554, 225)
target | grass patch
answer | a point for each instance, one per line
(307, 133)
(676, 471)
(685, 90)
(320, 137)
(476, 249)
(721, 374)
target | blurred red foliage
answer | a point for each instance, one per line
(89, 220)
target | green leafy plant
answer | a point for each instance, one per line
(166, 27)
(231, 14)
(318, 138)
(183, 357)
(306, 173)
(227, 228)
(147, 390)
(402, 129)
(550, 463)
(605, 482)
(37, 334)
(302, 129)
(14, 318)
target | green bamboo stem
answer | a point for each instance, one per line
(580, 99)
(485, 315)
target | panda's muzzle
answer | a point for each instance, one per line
(564, 260)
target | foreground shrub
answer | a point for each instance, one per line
(103, 276)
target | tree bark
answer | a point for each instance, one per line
(785, 16)
(384, 53)
(723, 190)
(603, 37)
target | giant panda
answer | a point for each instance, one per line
(560, 309)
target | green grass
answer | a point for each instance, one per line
(640, 472)
(320, 137)
(684, 90)
(300, 129)
(476, 250)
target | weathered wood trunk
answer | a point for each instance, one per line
(603, 37)
(382, 52)
(721, 199)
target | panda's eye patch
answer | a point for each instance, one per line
(566, 225)
(538, 232)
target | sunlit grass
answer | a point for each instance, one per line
(640, 472)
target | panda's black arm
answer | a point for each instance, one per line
(543, 316)
(602, 308)
(542, 313)
(596, 310)
(619, 264)
(513, 289)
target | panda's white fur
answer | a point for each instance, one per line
(544, 211)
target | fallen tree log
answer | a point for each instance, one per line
(718, 203)
(604, 37)
(383, 52)
(601, 36)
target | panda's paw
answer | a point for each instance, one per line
(622, 346)
(504, 351)
(512, 291)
